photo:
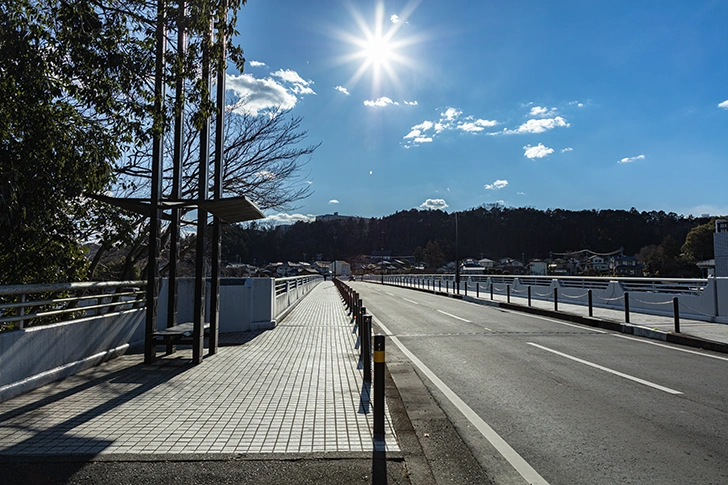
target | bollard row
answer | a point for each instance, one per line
(364, 327)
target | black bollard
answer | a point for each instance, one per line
(379, 388)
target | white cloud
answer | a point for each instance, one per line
(426, 131)
(289, 218)
(434, 204)
(539, 151)
(333, 201)
(394, 19)
(724, 104)
(380, 102)
(476, 126)
(576, 103)
(342, 89)
(256, 64)
(631, 159)
(450, 114)
(299, 85)
(520, 193)
(539, 125)
(265, 174)
(540, 111)
(567, 149)
(497, 185)
(411, 103)
(260, 94)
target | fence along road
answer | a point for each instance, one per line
(576, 404)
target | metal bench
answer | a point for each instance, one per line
(181, 333)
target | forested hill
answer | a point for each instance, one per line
(490, 231)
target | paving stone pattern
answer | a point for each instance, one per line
(294, 389)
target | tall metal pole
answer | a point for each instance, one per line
(199, 304)
(457, 256)
(156, 189)
(176, 169)
(217, 182)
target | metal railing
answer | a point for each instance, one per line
(290, 290)
(31, 305)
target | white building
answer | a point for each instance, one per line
(340, 268)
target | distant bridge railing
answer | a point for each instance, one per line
(24, 306)
(700, 299)
(288, 291)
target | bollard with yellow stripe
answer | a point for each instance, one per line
(379, 387)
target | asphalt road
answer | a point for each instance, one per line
(561, 403)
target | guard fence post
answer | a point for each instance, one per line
(508, 292)
(529, 295)
(477, 289)
(491, 290)
(556, 299)
(379, 388)
(360, 321)
(626, 307)
(591, 303)
(366, 345)
(676, 314)
(466, 287)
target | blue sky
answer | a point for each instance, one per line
(569, 104)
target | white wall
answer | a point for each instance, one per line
(34, 356)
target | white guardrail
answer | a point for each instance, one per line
(700, 299)
(289, 291)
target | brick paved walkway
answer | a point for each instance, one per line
(294, 389)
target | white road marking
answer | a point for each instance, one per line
(407, 299)
(390, 294)
(517, 462)
(635, 339)
(607, 369)
(454, 316)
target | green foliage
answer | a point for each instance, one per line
(75, 95)
(699, 242)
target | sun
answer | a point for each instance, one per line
(378, 50)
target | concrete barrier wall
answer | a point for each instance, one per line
(35, 356)
(245, 303)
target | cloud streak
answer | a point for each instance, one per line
(631, 159)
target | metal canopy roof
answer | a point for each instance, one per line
(230, 209)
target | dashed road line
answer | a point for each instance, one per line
(607, 369)
(454, 316)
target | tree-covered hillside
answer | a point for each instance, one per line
(491, 231)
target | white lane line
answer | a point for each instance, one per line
(390, 294)
(517, 462)
(407, 299)
(635, 339)
(454, 316)
(607, 369)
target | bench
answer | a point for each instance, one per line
(181, 333)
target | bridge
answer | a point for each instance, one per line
(537, 390)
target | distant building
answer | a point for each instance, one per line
(538, 267)
(340, 268)
(334, 217)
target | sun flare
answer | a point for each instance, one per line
(379, 49)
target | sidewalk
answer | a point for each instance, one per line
(295, 389)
